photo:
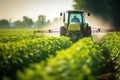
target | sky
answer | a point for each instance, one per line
(16, 9)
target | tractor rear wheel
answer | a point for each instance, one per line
(87, 32)
(63, 31)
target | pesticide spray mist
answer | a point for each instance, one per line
(55, 26)
(97, 22)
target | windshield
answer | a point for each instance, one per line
(76, 18)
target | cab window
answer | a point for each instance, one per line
(76, 18)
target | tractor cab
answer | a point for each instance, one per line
(74, 25)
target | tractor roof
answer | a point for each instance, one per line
(75, 11)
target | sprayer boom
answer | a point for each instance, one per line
(93, 30)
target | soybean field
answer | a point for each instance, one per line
(25, 56)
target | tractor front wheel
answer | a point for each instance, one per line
(74, 35)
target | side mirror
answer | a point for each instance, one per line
(64, 17)
(88, 14)
(60, 14)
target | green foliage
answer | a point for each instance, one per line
(29, 51)
(46, 58)
(16, 35)
(82, 61)
(111, 51)
(18, 54)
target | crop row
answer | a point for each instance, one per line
(16, 55)
(111, 51)
(17, 38)
(17, 35)
(82, 61)
(44, 58)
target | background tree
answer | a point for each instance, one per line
(41, 21)
(27, 22)
(18, 24)
(106, 9)
(4, 23)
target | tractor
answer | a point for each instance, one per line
(74, 25)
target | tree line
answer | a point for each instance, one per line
(25, 23)
(109, 10)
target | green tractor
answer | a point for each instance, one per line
(74, 25)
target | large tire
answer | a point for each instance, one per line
(63, 31)
(87, 32)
